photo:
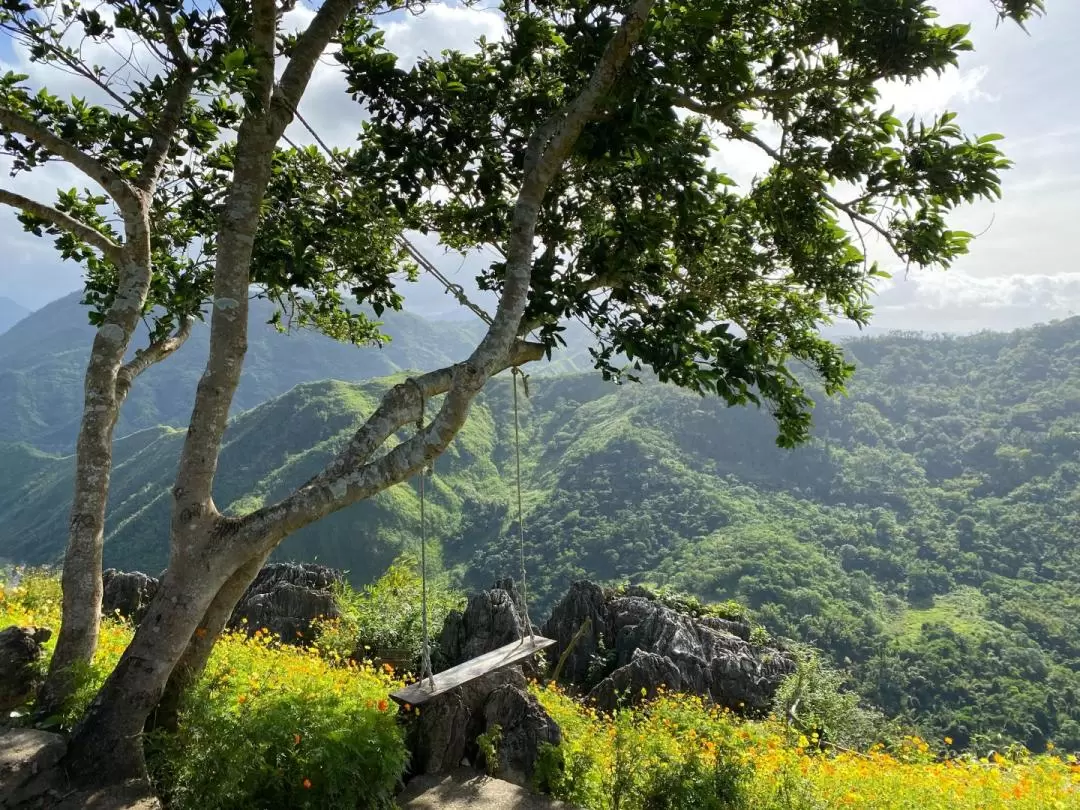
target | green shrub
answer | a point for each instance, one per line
(272, 726)
(816, 693)
(387, 615)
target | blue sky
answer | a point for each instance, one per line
(1021, 271)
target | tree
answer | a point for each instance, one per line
(154, 153)
(580, 147)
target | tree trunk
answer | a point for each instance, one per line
(81, 578)
(191, 665)
(106, 746)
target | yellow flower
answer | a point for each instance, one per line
(948, 740)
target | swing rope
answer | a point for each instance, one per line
(517, 372)
(425, 663)
(426, 672)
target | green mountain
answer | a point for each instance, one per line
(43, 359)
(926, 538)
(11, 313)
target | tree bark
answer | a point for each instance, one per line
(191, 665)
(106, 386)
(106, 745)
(81, 577)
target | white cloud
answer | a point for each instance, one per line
(442, 27)
(935, 94)
(961, 301)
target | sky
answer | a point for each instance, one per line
(1022, 269)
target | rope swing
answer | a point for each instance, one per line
(430, 685)
(517, 372)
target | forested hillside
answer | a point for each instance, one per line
(926, 539)
(43, 359)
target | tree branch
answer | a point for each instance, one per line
(168, 33)
(256, 138)
(165, 129)
(117, 188)
(346, 484)
(305, 55)
(400, 406)
(92, 237)
(741, 134)
(152, 354)
(31, 39)
(717, 111)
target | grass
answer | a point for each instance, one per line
(963, 610)
(273, 726)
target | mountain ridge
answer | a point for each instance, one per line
(11, 312)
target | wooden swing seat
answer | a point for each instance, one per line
(423, 690)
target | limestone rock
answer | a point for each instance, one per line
(491, 619)
(444, 735)
(646, 672)
(584, 601)
(27, 762)
(524, 727)
(127, 593)
(644, 643)
(20, 676)
(466, 790)
(286, 598)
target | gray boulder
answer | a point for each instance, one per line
(20, 674)
(127, 593)
(286, 598)
(445, 733)
(583, 608)
(642, 677)
(524, 726)
(638, 642)
(490, 620)
(31, 777)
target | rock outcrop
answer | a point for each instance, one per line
(20, 674)
(286, 598)
(30, 778)
(445, 733)
(632, 641)
(491, 619)
(127, 593)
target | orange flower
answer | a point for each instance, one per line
(307, 784)
(242, 699)
(382, 705)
